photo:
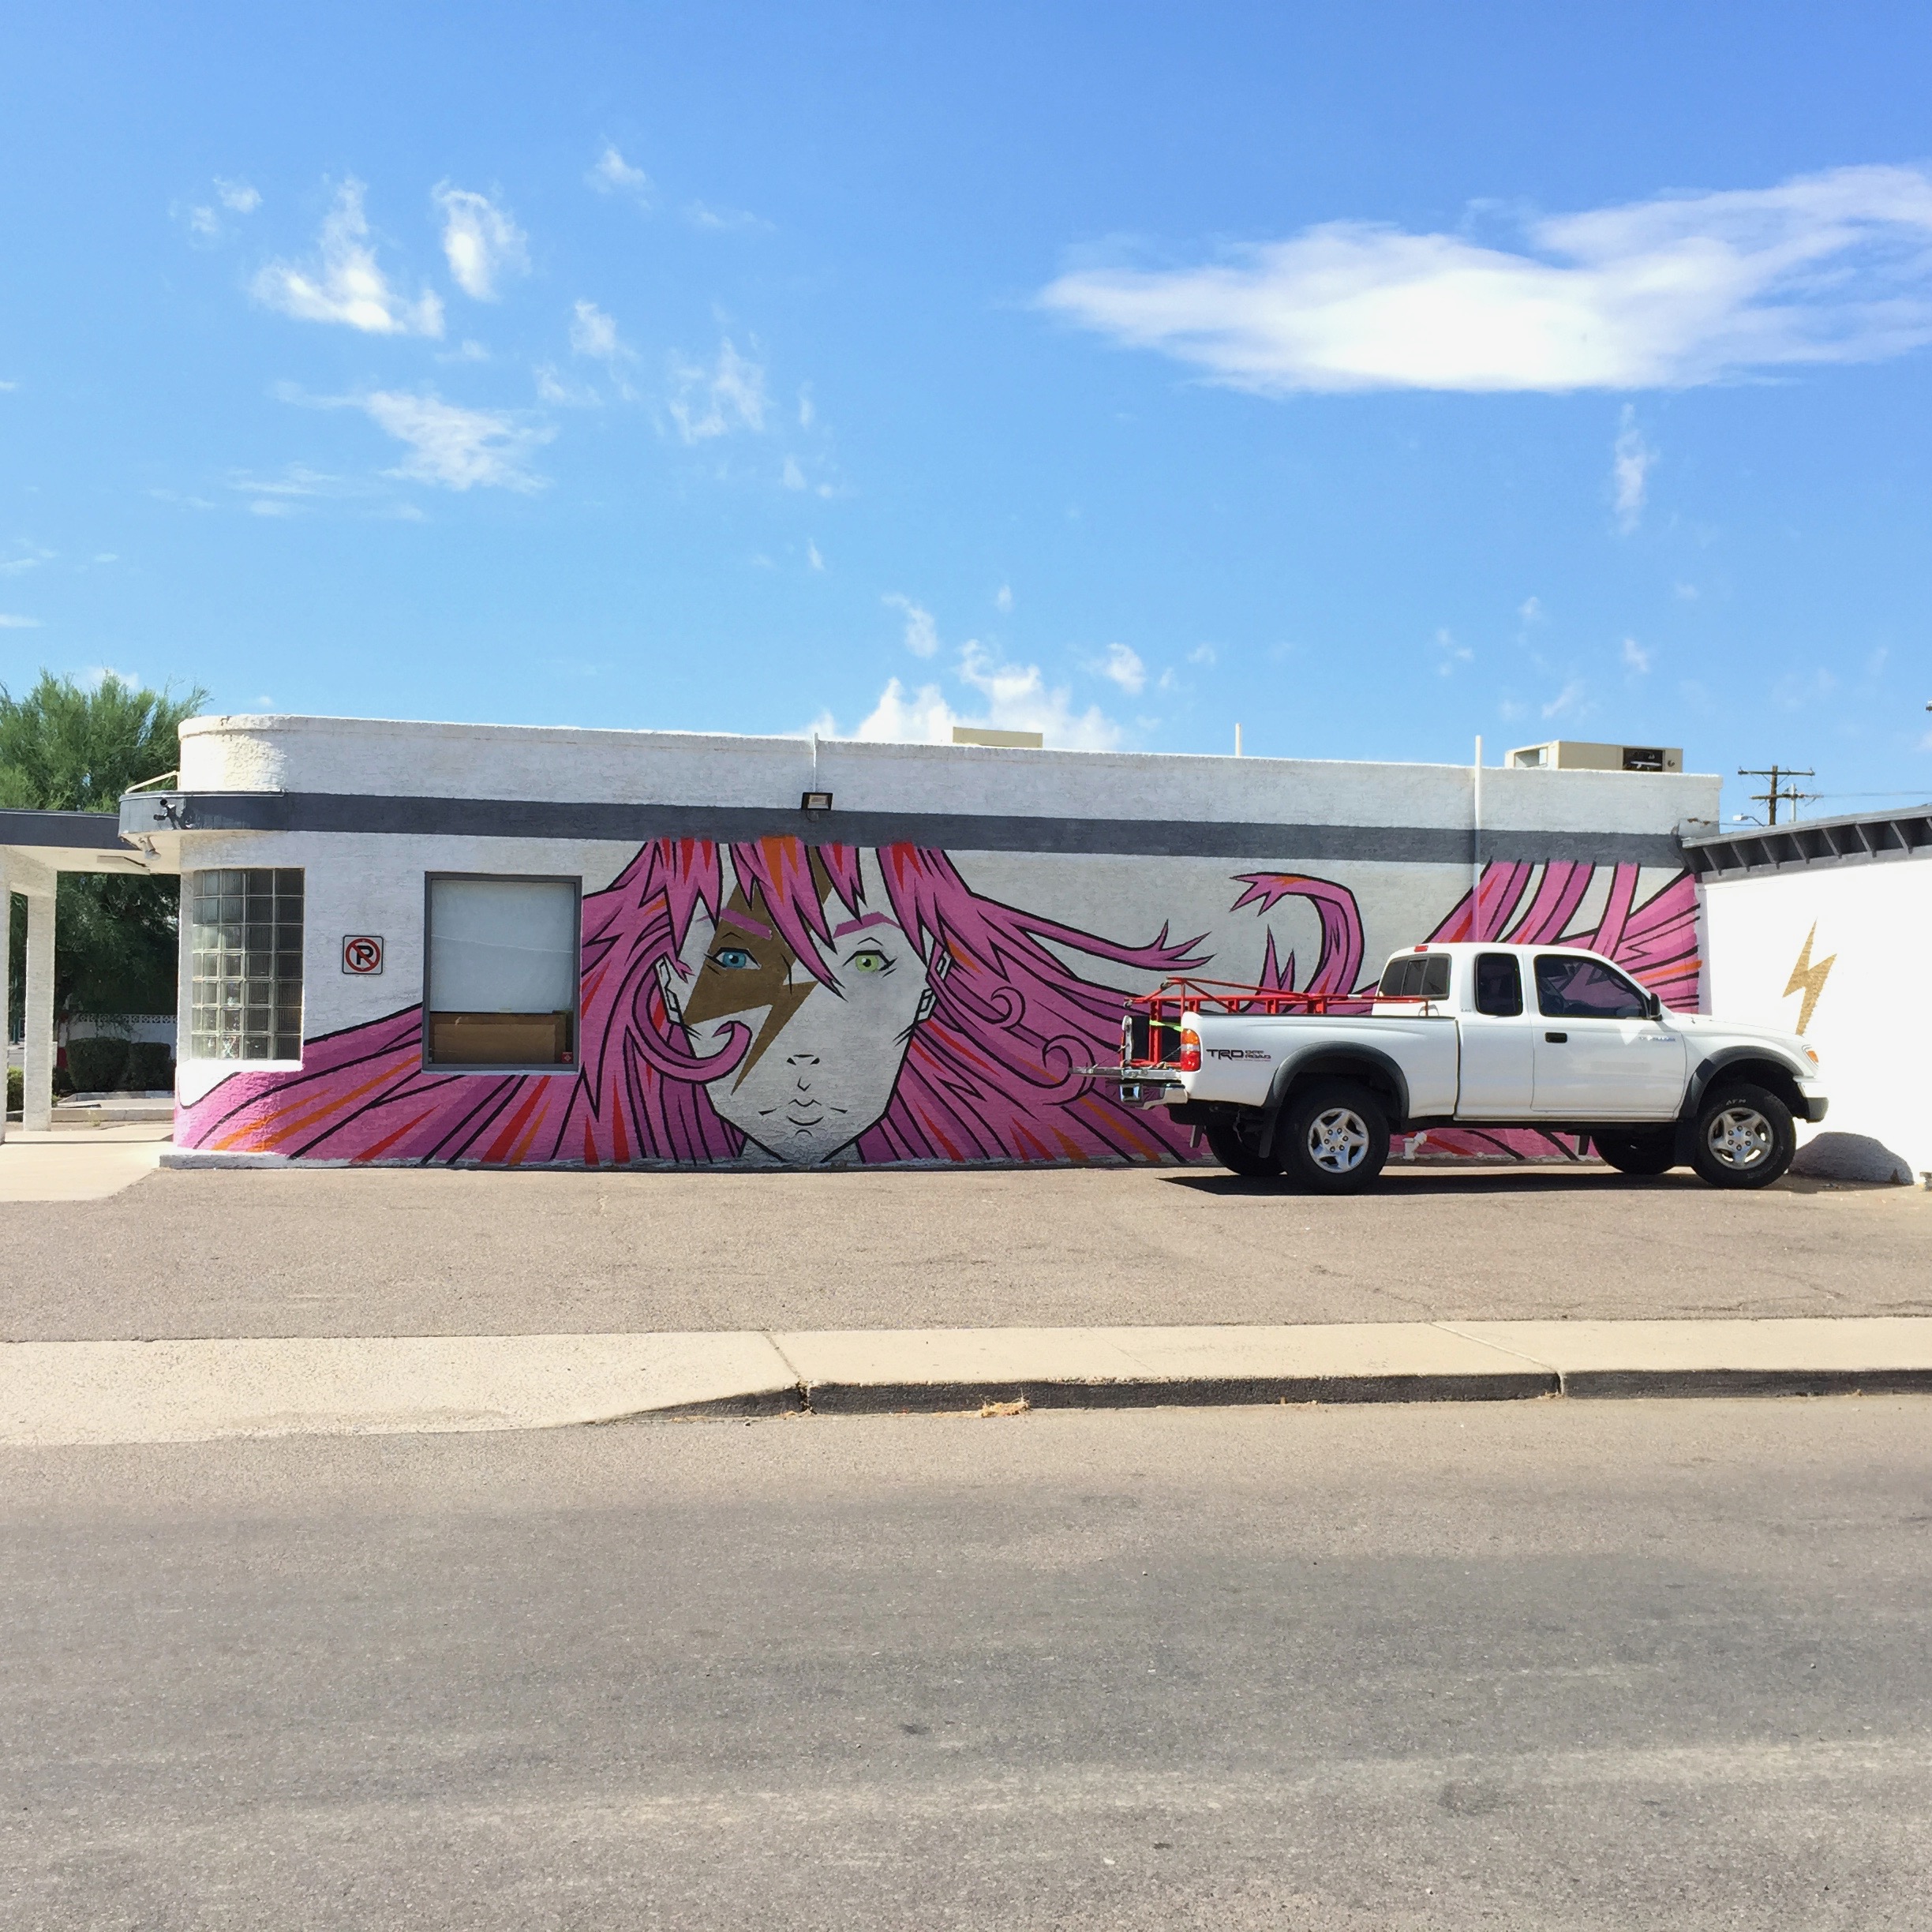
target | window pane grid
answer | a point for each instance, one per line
(245, 955)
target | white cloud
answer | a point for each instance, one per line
(26, 557)
(1566, 701)
(9, 622)
(205, 224)
(468, 350)
(1123, 665)
(1002, 599)
(7, 386)
(791, 476)
(1202, 654)
(593, 333)
(552, 387)
(812, 555)
(1015, 697)
(712, 402)
(482, 242)
(238, 196)
(1530, 610)
(922, 634)
(95, 676)
(1631, 458)
(806, 408)
(611, 174)
(1453, 654)
(1678, 290)
(458, 448)
(1635, 657)
(346, 284)
(1685, 593)
(700, 214)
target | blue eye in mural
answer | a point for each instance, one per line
(734, 958)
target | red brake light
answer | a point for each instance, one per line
(1190, 1061)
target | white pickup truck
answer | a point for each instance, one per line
(1470, 1035)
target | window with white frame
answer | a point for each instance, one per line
(501, 970)
(245, 937)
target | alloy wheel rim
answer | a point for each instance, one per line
(1739, 1137)
(1337, 1141)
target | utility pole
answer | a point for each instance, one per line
(1769, 797)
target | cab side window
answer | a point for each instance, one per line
(1568, 988)
(1499, 985)
(1417, 976)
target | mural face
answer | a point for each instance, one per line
(772, 1001)
(826, 1036)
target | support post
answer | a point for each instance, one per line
(37, 1100)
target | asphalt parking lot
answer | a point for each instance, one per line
(410, 1252)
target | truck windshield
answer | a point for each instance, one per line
(1569, 988)
(1416, 975)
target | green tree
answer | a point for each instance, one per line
(64, 747)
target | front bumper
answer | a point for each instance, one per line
(1812, 1107)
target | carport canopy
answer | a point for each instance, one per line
(35, 847)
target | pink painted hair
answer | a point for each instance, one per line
(990, 1074)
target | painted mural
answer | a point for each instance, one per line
(781, 1003)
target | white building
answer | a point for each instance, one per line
(509, 945)
(1821, 927)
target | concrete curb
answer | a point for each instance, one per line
(75, 1393)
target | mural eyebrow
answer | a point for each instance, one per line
(859, 925)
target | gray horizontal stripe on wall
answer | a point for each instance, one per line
(1139, 838)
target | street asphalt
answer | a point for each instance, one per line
(405, 1252)
(1547, 1665)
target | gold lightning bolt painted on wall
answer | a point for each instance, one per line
(1807, 978)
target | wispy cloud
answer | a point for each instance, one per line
(25, 556)
(611, 174)
(481, 242)
(1635, 657)
(1003, 600)
(725, 221)
(458, 448)
(345, 284)
(713, 402)
(922, 634)
(1567, 701)
(9, 621)
(1631, 461)
(1123, 666)
(1682, 290)
(237, 196)
(1450, 653)
(1202, 654)
(813, 556)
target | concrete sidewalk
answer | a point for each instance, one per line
(66, 1393)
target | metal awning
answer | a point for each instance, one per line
(1859, 838)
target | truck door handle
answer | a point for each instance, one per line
(1556, 1039)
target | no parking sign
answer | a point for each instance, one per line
(362, 954)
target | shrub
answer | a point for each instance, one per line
(97, 1065)
(16, 1089)
(150, 1067)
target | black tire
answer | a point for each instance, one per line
(1232, 1149)
(1333, 1138)
(1743, 1137)
(1638, 1153)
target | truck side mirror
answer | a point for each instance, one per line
(1653, 1006)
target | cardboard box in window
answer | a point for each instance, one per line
(500, 1039)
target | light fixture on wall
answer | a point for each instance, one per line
(815, 804)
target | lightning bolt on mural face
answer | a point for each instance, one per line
(775, 1002)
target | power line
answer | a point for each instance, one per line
(1770, 797)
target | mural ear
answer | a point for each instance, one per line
(667, 985)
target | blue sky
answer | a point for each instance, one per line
(1372, 376)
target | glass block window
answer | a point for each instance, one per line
(245, 940)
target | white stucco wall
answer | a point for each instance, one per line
(398, 758)
(1874, 922)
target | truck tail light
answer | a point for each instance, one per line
(1190, 1061)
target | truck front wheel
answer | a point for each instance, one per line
(1743, 1137)
(1333, 1138)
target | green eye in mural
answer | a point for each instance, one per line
(734, 958)
(869, 959)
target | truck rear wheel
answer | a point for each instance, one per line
(1743, 1137)
(1333, 1138)
(1234, 1151)
(1638, 1153)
